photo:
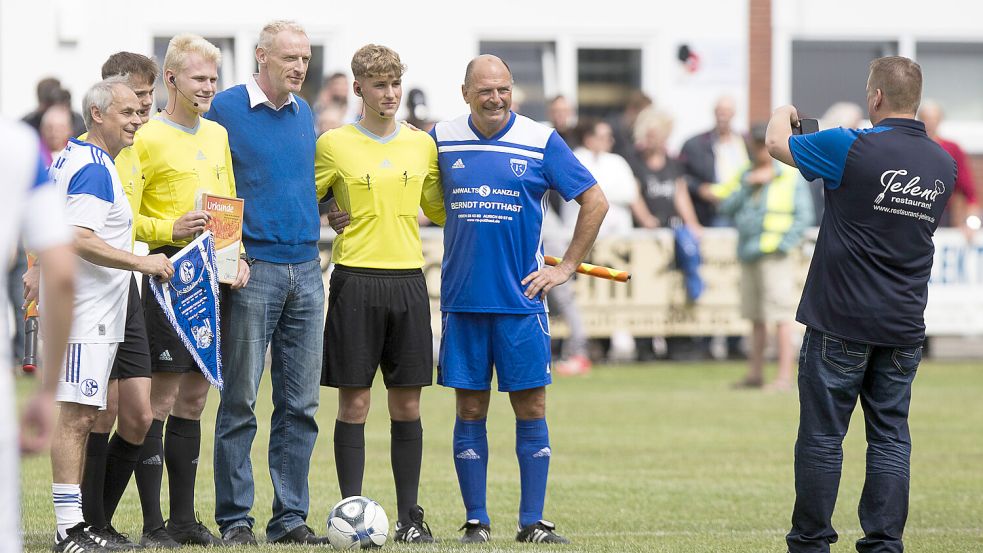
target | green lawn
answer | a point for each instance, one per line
(661, 457)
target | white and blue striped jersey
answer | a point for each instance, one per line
(86, 176)
(495, 195)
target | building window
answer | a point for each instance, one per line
(606, 77)
(826, 72)
(952, 75)
(533, 66)
(226, 72)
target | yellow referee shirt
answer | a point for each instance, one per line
(131, 176)
(178, 165)
(381, 182)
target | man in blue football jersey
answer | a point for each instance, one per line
(864, 301)
(496, 167)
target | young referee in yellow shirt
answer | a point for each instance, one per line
(182, 155)
(378, 307)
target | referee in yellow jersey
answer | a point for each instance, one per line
(378, 307)
(182, 155)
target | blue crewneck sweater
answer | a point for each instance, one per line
(273, 160)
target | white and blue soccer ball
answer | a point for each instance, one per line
(357, 523)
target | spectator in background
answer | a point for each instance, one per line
(711, 157)
(618, 183)
(563, 118)
(841, 114)
(56, 128)
(623, 125)
(665, 203)
(664, 195)
(330, 117)
(556, 238)
(417, 112)
(771, 206)
(50, 93)
(957, 213)
(334, 92)
(708, 158)
(613, 174)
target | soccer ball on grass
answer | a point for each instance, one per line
(357, 523)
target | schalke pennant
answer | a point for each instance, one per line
(190, 300)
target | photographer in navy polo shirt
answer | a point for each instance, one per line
(864, 301)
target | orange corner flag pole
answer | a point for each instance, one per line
(594, 270)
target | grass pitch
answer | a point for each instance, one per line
(660, 458)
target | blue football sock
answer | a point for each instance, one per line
(532, 447)
(471, 462)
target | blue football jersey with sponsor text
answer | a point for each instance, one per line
(494, 195)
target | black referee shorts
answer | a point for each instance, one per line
(167, 352)
(377, 318)
(133, 355)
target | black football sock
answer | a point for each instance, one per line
(349, 456)
(121, 459)
(93, 477)
(148, 473)
(181, 448)
(407, 456)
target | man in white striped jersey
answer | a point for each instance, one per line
(97, 207)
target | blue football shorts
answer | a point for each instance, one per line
(517, 346)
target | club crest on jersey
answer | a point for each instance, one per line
(518, 166)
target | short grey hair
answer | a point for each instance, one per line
(271, 29)
(101, 95)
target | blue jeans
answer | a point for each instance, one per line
(833, 373)
(282, 304)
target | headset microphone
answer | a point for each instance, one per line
(194, 103)
(358, 92)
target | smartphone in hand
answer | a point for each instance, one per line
(806, 126)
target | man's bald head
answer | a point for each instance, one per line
(485, 63)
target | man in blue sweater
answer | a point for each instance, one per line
(271, 133)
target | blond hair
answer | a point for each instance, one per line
(374, 60)
(183, 46)
(652, 118)
(273, 28)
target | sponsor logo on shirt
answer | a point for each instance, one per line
(903, 196)
(459, 164)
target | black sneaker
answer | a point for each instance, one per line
(112, 540)
(301, 535)
(543, 531)
(77, 540)
(475, 532)
(158, 538)
(417, 531)
(239, 535)
(194, 533)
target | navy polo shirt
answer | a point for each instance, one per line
(886, 188)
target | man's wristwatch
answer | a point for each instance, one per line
(247, 259)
